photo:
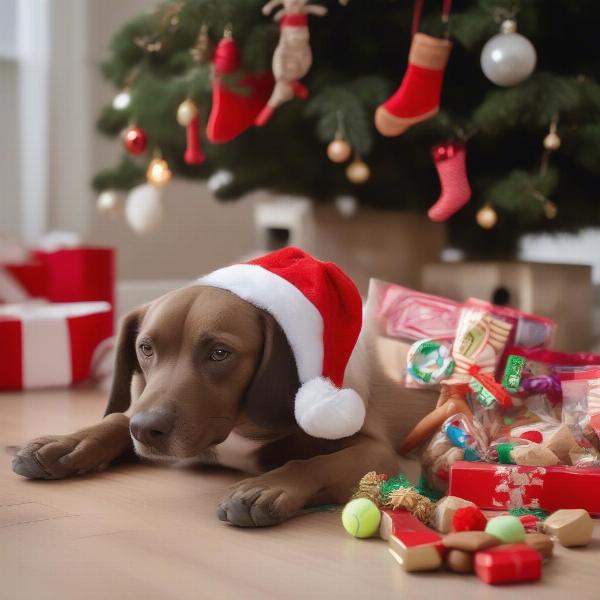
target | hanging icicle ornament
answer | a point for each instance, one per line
(122, 100)
(158, 173)
(509, 57)
(358, 171)
(552, 141)
(135, 140)
(486, 217)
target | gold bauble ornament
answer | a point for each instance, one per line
(552, 141)
(486, 217)
(186, 111)
(550, 209)
(339, 150)
(158, 173)
(358, 171)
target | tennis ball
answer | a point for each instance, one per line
(508, 529)
(361, 518)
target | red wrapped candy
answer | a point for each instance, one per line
(509, 563)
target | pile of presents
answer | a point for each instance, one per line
(517, 425)
(56, 310)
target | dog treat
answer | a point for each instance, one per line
(508, 529)
(361, 518)
(573, 527)
(510, 563)
(560, 442)
(540, 542)
(459, 561)
(534, 455)
(530, 522)
(470, 541)
(468, 518)
(444, 512)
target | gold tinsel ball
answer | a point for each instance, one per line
(186, 111)
(486, 217)
(339, 150)
(552, 141)
(358, 171)
(158, 173)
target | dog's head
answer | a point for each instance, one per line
(194, 363)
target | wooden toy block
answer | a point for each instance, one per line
(406, 527)
(570, 527)
(542, 543)
(503, 487)
(509, 563)
(412, 544)
(444, 512)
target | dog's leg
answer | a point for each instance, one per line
(90, 449)
(279, 494)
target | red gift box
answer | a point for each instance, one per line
(82, 274)
(50, 344)
(23, 281)
(509, 563)
(503, 487)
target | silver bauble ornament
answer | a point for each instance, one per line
(509, 57)
(143, 210)
(346, 206)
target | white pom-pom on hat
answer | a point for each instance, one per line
(325, 411)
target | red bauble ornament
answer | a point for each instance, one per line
(468, 518)
(135, 140)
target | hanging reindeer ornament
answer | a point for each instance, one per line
(292, 57)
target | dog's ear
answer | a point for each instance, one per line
(125, 362)
(270, 398)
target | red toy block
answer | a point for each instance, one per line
(407, 528)
(503, 487)
(509, 563)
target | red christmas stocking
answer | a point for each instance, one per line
(452, 170)
(233, 112)
(418, 97)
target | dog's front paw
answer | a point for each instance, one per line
(259, 502)
(54, 457)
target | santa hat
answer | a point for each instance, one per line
(320, 311)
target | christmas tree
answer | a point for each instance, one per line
(533, 146)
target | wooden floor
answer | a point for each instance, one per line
(148, 532)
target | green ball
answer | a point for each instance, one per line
(507, 528)
(361, 518)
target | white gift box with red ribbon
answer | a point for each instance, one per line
(47, 344)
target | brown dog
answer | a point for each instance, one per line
(201, 373)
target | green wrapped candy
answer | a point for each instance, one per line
(507, 528)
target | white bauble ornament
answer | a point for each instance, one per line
(186, 111)
(107, 202)
(486, 217)
(122, 100)
(219, 179)
(346, 206)
(508, 58)
(552, 141)
(143, 209)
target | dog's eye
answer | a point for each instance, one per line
(146, 349)
(219, 354)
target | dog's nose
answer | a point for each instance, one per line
(151, 427)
